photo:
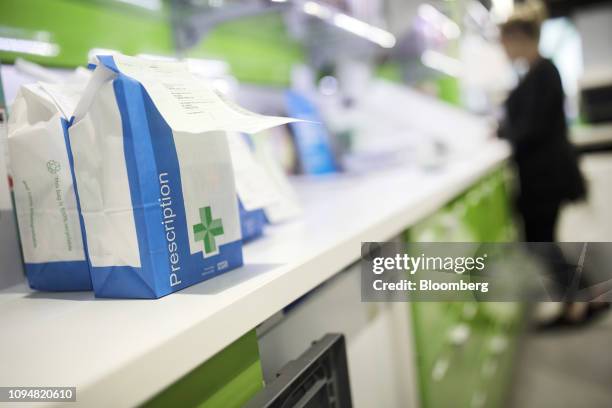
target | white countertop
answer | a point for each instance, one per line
(125, 351)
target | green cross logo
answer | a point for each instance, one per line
(207, 230)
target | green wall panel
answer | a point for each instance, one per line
(449, 90)
(258, 49)
(78, 26)
(227, 380)
(391, 71)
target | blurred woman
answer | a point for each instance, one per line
(536, 127)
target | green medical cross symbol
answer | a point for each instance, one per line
(208, 229)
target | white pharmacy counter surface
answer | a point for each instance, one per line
(592, 135)
(125, 351)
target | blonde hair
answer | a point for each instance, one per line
(532, 10)
(526, 19)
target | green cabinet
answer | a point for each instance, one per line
(227, 380)
(464, 350)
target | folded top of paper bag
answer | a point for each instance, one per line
(40, 101)
(186, 102)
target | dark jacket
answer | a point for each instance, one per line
(536, 127)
